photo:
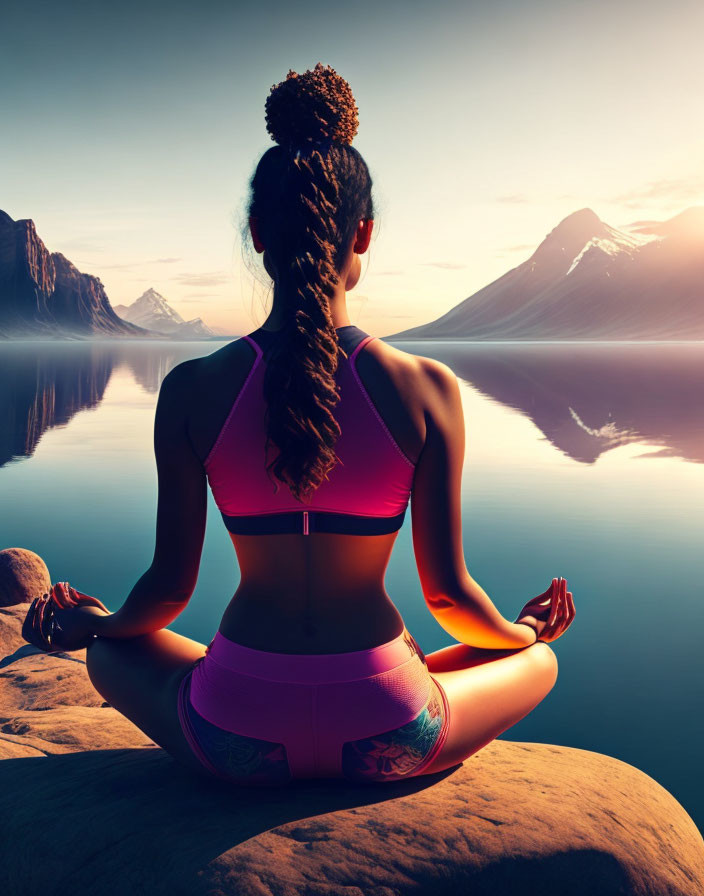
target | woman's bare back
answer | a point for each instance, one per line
(323, 592)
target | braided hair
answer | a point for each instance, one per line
(307, 194)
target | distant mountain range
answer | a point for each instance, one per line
(152, 311)
(590, 281)
(43, 295)
(585, 281)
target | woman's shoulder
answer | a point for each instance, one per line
(407, 389)
(196, 384)
(422, 375)
(197, 371)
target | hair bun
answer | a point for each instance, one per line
(315, 106)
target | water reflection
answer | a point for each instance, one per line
(43, 385)
(43, 388)
(150, 368)
(586, 399)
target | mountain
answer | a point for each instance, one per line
(194, 329)
(590, 281)
(42, 294)
(151, 310)
(224, 331)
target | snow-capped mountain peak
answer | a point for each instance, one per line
(613, 244)
(153, 305)
(588, 280)
(152, 311)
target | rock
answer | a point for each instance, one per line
(92, 806)
(27, 274)
(80, 304)
(48, 704)
(43, 294)
(23, 576)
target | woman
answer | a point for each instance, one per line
(313, 435)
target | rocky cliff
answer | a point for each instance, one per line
(43, 295)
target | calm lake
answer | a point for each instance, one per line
(585, 461)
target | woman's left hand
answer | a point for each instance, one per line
(75, 614)
(77, 626)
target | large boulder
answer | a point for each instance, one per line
(91, 805)
(23, 576)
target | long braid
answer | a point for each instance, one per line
(300, 387)
(308, 195)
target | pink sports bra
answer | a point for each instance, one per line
(366, 493)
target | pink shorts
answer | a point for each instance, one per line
(261, 718)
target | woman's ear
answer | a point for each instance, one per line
(364, 235)
(258, 245)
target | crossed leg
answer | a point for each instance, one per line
(140, 678)
(488, 692)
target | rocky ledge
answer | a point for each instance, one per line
(91, 805)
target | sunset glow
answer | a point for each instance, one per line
(483, 128)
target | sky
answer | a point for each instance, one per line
(129, 135)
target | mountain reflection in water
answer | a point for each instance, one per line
(43, 385)
(590, 398)
(585, 398)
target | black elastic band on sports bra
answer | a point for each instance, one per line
(306, 521)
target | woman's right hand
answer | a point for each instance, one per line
(550, 613)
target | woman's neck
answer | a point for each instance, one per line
(338, 311)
